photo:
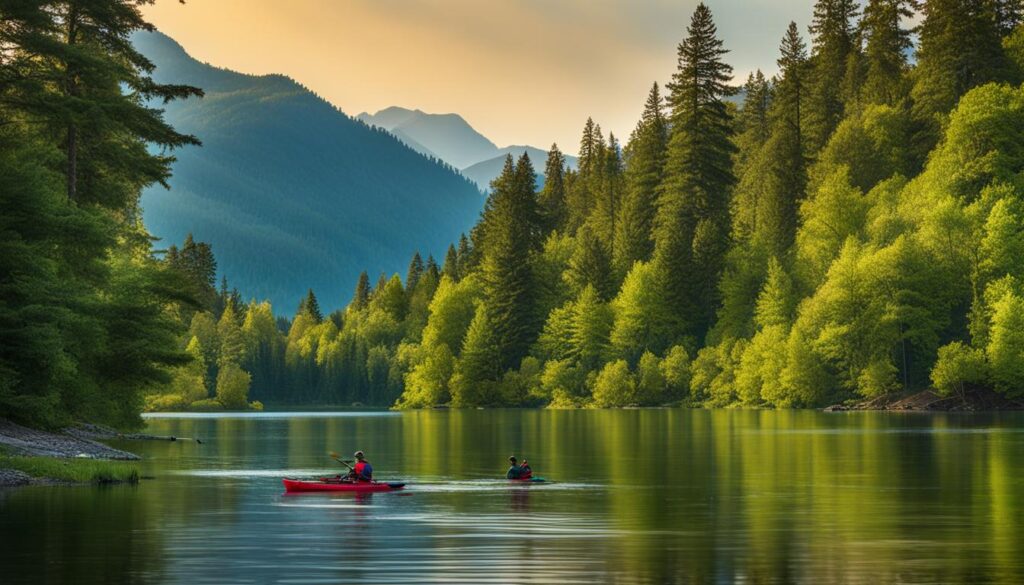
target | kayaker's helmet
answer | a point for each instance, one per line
(359, 455)
(512, 459)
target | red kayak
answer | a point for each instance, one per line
(333, 485)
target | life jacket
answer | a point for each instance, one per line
(360, 470)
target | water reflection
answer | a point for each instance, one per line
(642, 496)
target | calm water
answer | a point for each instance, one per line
(642, 496)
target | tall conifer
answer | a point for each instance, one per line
(691, 232)
(646, 152)
(834, 43)
(887, 43)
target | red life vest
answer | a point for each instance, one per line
(360, 468)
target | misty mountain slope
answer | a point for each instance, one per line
(293, 193)
(447, 136)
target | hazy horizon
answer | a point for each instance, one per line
(520, 73)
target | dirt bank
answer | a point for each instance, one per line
(975, 400)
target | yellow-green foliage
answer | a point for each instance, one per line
(615, 386)
(233, 387)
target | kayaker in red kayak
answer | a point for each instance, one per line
(362, 471)
(516, 471)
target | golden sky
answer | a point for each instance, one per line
(519, 71)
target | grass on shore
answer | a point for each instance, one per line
(73, 470)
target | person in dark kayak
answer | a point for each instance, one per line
(362, 471)
(516, 471)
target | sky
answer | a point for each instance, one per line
(519, 71)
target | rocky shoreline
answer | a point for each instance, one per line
(975, 400)
(17, 440)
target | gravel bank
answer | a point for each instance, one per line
(21, 440)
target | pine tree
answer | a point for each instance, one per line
(432, 271)
(415, 271)
(582, 189)
(83, 60)
(960, 48)
(645, 171)
(552, 197)
(466, 256)
(785, 155)
(886, 45)
(361, 298)
(509, 238)
(834, 41)
(479, 364)
(590, 266)
(451, 264)
(608, 201)
(311, 307)
(691, 232)
(753, 122)
(232, 343)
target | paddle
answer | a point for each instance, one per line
(334, 455)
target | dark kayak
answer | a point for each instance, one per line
(333, 485)
(529, 480)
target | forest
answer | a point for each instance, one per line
(853, 228)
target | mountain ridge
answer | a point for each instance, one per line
(290, 191)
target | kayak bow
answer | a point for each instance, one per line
(324, 485)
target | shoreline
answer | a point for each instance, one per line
(974, 401)
(69, 457)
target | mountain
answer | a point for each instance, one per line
(447, 136)
(291, 192)
(450, 138)
(482, 173)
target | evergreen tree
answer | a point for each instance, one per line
(753, 121)
(887, 43)
(960, 48)
(582, 187)
(82, 60)
(466, 260)
(479, 364)
(608, 203)
(415, 271)
(552, 199)
(451, 264)
(310, 307)
(432, 270)
(232, 343)
(589, 265)
(834, 41)
(509, 239)
(691, 230)
(645, 171)
(591, 325)
(361, 298)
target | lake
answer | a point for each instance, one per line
(638, 496)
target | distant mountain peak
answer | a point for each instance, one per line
(291, 192)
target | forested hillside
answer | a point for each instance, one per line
(290, 191)
(854, 228)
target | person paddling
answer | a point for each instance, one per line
(516, 471)
(362, 471)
